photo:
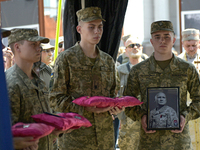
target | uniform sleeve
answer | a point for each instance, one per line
(14, 96)
(193, 111)
(60, 98)
(133, 89)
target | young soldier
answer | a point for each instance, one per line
(27, 92)
(163, 69)
(85, 70)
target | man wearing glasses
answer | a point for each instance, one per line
(134, 52)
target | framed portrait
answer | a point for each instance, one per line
(163, 108)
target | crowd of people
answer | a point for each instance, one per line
(36, 85)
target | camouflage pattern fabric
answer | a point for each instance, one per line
(20, 34)
(161, 26)
(74, 76)
(163, 117)
(129, 134)
(89, 14)
(27, 99)
(180, 74)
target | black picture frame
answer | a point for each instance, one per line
(163, 107)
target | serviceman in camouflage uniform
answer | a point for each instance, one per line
(163, 69)
(85, 70)
(27, 92)
(163, 116)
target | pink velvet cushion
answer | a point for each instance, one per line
(102, 102)
(127, 101)
(35, 130)
(98, 101)
(62, 121)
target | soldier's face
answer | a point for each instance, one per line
(161, 99)
(191, 47)
(162, 42)
(91, 32)
(29, 51)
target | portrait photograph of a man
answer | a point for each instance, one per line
(163, 109)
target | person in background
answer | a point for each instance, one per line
(46, 59)
(191, 44)
(85, 70)
(7, 53)
(60, 44)
(164, 69)
(124, 57)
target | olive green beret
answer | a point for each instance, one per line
(20, 34)
(190, 34)
(5, 33)
(89, 14)
(161, 26)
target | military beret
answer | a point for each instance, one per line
(125, 37)
(89, 14)
(161, 26)
(5, 33)
(19, 34)
(190, 34)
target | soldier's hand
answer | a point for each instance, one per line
(97, 110)
(182, 125)
(144, 125)
(116, 110)
(32, 147)
(25, 143)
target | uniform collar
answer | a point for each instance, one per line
(27, 81)
(84, 60)
(154, 67)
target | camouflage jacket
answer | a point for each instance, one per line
(180, 74)
(163, 117)
(27, 99)
(74, 76)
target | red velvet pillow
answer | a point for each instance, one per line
(62, 121)
(98, 101)
(102, 102)
(35, 130)
(127, 101)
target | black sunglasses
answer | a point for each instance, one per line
(48, 50)
(133, 45)
(60, 45)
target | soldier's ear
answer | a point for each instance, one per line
(16, 47)
(78, 28)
